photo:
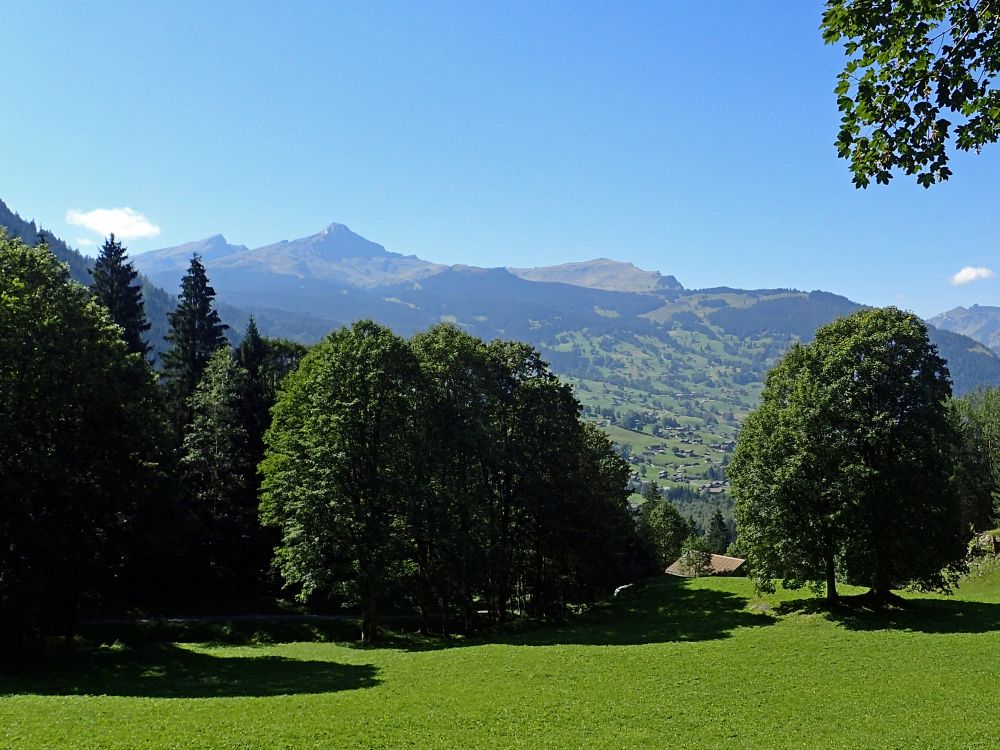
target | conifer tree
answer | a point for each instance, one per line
(115, 286)
(255, 401)
(220, 473)
(195, 333)
(717, 534)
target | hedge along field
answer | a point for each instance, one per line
(676, 663)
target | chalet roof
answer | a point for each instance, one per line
(720, 564)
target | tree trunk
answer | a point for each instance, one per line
(829, 559)
(881, 591)
(831, 581)
(369, 624)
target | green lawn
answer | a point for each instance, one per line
(676, 664)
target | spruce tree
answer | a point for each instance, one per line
(255, 401)
(115, 287)
(717, 534)
(219, 470)
(196, 332)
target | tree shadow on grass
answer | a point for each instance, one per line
(662, 610)
(233, 630)
(169, 671)
(659, 610)
(917, 615)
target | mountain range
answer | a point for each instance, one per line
(336, 276)
(979, 322)
(668, 371)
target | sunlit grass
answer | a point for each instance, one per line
(702, 663)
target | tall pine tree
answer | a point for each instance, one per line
(116, 287)
(717, 534)
(196, 332)
(255, 401)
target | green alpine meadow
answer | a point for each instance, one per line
(677, 663)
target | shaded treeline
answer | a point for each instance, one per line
(440, 474)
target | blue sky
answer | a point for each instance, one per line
(688, 137)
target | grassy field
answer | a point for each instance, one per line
(677, 663)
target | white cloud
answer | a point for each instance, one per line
(84, 242)
(970, 274)
(124, 223)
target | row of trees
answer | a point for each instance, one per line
(105, 467)
(440, 473)
(443, 471)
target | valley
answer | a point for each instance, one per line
(668, 372)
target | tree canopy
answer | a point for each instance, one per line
(77, 443)
(443, 471)
(977, 419)
(662, 526)
(920, 77)
(845, 467)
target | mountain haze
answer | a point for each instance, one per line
(979, 322)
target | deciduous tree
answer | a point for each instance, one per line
(920, 78)
(77, 450)
(977, 474)
(846, 464)
(340, 452)
(662, 523)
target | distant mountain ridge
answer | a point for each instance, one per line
(601, 273)
(648, 346)
(337, 276)
(979, 322)
(335, 254)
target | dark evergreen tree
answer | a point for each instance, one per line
(195, 333)
(717, 534)
(223, 444)
(251, 355)
(116, 286)
(219, 472)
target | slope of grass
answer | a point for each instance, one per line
(673, 663)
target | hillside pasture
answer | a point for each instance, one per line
(670, 663)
